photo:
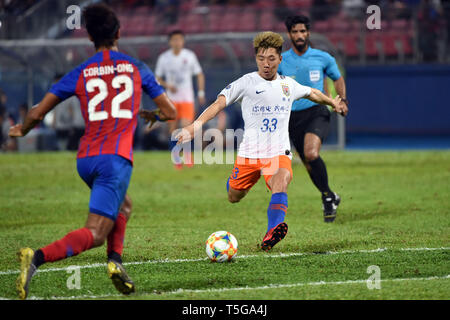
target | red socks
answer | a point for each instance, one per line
(117, 235)
(81, 240)
(72, 244)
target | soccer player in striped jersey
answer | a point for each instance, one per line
(109, 86)
(266, 99)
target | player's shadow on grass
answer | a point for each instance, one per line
(331, 246)
(346, 217)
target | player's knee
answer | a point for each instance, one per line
(232, 198)
(99, 237)
(311, 155)
(281, 185)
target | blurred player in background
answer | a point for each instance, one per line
(109, 86)
(6, 121)
(174, 71)
(62, 120)
(68, 122)
(310, 121)
(266, 99)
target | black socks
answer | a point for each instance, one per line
(319, 176)
(38, 258)
(115, 256)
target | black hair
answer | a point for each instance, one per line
(175, 32)
(293, 20)
(102, 24)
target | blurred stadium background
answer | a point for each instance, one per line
(397, 77)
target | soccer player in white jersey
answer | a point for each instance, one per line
(266, 99)
(175, 68)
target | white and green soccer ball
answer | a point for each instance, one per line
(221, 246)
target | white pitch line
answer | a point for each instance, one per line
(278, 255)
(269, 286)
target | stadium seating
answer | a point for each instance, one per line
(267, 20)
(199, 50)
(218, 52)
(370, 44)
(247, 22)
(192, 23)
(394, 40)
(389, 44)
(322, 26)
(302, 4)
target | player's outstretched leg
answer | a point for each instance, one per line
(72, 244)
(276, 228)
(276, 212)
(116, 271)
(92, 235)
(27, 270)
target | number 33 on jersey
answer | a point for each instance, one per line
(266, 108)
(109, 86)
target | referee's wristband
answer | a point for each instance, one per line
(201, 93)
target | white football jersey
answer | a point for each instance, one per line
(266, 109)
(178, 70)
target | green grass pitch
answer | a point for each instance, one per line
(393, 200)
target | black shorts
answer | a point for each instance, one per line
(315, 120)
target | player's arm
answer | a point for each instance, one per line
(339, 85)
(35, 115)
(187, 133)
(201, 88)
(165, 110)
(318, 97)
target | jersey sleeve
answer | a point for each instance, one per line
(149, 83)
(331, 68)
(300, 91)
(234, 92)
(196, 68)
(65, 88)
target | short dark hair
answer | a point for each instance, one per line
(102, 24)
(293, 20)
(175, 32)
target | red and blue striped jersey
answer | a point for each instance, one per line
(109, 86)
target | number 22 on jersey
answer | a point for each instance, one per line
(102, 86)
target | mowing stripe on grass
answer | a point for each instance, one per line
(278, 255)
(269, 286)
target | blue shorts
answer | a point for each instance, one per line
(108, 176)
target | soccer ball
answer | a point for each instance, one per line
(221, 246)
